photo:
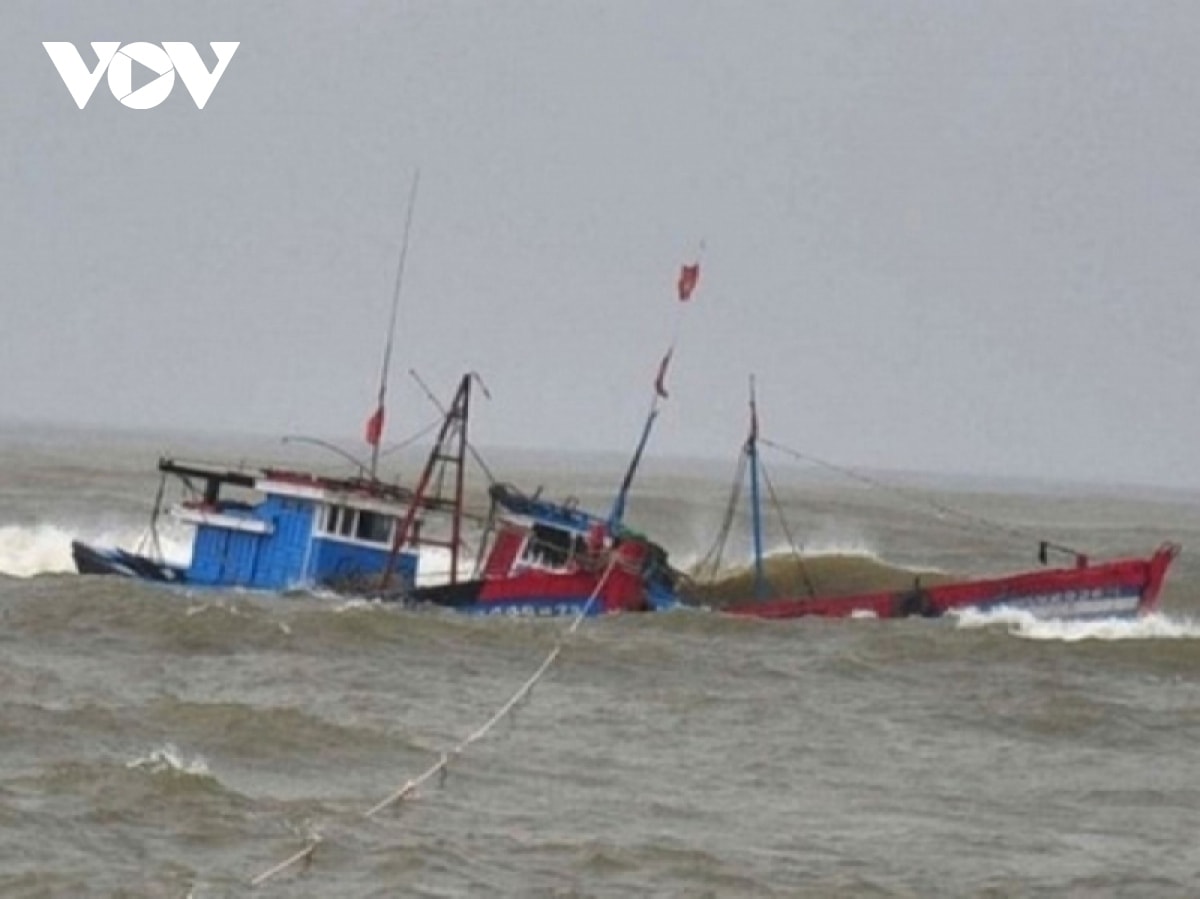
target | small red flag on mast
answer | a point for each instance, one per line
(660, 383)
(689, 276)
(375, 427)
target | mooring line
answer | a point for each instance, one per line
(409, 789)
(305, 854)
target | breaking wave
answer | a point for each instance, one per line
(1023, 624)
(168, 759)
(41, 549)
(29, 550)
(836, 571)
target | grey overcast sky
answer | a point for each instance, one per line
(946, 236)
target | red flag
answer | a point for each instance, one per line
(689, 276)
(375, 427)
(660, 385)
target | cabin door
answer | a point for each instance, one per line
(238, 553)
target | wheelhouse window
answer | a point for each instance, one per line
(552, 547)
(374, 527)
(359, 524)
(340, 520)
(332, 516)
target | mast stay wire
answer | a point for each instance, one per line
(787, 530)
(919, 498)
(432, 397)
(712, 559)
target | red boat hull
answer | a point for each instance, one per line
(617, 583)
(1121, 588)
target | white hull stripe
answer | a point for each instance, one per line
(1055, 606)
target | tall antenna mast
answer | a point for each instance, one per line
(375, 425)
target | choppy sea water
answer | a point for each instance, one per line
(175, 743)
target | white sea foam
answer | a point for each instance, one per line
(355, 605)
(832, 548)
(207, 605)
(28, 550)
(1024, 624)
(168, 758)
(825, 549)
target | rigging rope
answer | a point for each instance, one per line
(151, 537)
(409, 441)
(432, 397)
(922, 499)
(712, 559)
(409, 788)
(783, 523)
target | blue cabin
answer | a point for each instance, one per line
(288, 529)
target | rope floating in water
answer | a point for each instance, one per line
(409, 789)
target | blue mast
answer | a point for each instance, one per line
(617, 515)
(760, 580)
(688, 277)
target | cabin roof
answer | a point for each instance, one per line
(294, 482)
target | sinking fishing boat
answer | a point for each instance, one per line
(1081, 591)
(549, 558)
(281, 529)
(291, 529)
